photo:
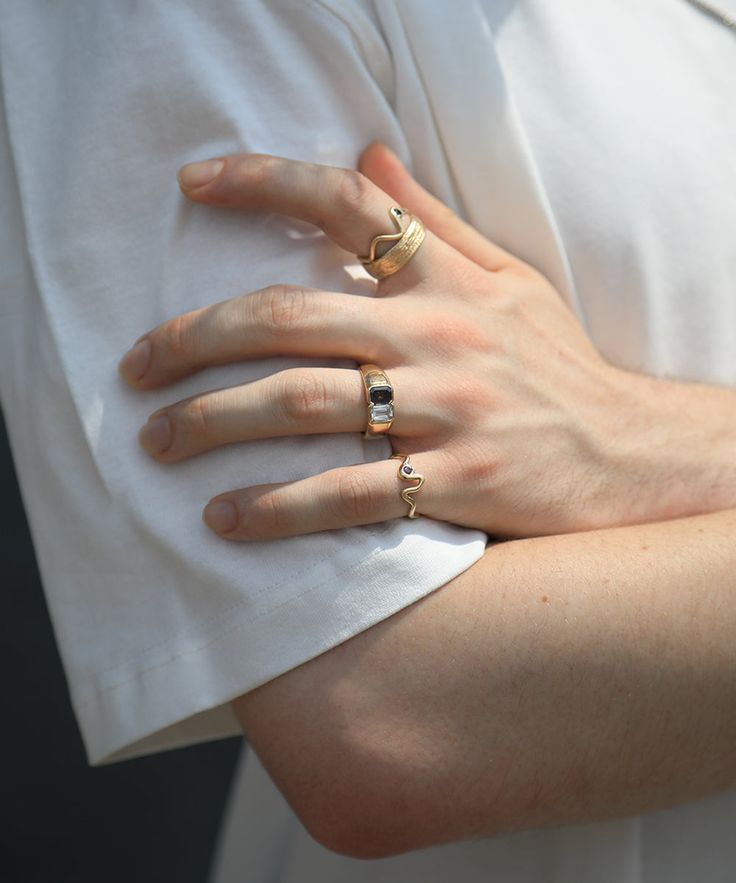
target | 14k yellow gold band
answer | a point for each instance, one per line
(407, 240)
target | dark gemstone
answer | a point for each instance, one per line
(407, 470)
(380, 395)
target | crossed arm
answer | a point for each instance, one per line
(561, 679)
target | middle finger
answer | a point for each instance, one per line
(281, 320)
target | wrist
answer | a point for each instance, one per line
(672, 447)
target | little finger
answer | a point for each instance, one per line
(345, 497)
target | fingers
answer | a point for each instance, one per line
(297, 401)
(344, 203)
(282, 320)
(346, 497)
(387, 171)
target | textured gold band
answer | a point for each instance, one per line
(379, 396)
(407, 242)
(407, 473)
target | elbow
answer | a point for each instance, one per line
(358, 839)
(379, 795)
(360, 789)
(395, 802)
(364, 804)
(359, 819)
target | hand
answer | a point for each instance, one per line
(502, 401)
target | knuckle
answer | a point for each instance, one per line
(457, 402)
(301, 395)
(255, 170)
(446, 335)
(353, 498)
(282, 309)
(475, 466)
(468, 402)
(198, 416)
(177, 335)
(355, 191)
(509, 302)
(263, 516)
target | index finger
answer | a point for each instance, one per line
(344, 203)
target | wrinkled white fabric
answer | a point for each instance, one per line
(159, 622)
(594, 140)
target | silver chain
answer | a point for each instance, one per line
(728, 20)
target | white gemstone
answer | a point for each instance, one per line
(382, 413)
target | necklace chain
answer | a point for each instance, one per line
(728, 20)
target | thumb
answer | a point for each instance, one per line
(387, 171)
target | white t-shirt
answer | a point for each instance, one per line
(160, 623)
(594, 140)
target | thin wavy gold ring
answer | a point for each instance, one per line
(408, 473)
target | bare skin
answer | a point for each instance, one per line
(560, 679)
(501, 397)
(565, 678)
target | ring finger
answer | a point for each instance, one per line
(297, 401)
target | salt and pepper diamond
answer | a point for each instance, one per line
(382, 411)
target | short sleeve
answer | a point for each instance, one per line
(159, 623)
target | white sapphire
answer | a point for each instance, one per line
(382, 413)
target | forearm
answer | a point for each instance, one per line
(560, 679)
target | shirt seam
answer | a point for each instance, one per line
(89, 686)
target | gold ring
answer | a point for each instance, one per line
(407, 240)
(379, 396)
(408, 473)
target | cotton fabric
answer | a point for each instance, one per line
(160, 623)
(593, 140)
(596, 141)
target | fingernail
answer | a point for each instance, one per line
(134, 363)
(155, 436)
(221, 516)
(197, 174)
